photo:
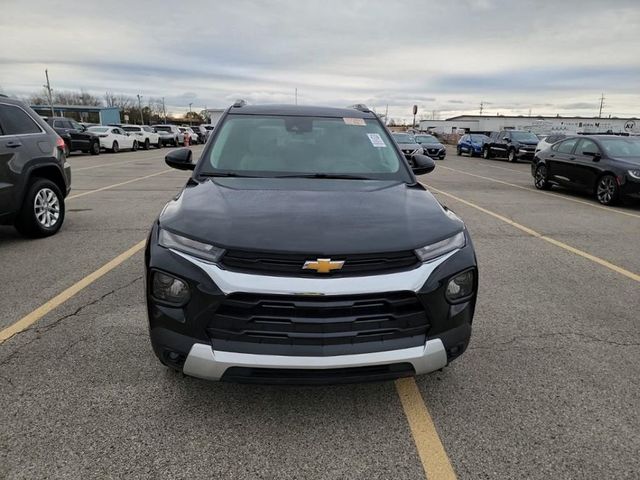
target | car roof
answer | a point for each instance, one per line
(299, 110)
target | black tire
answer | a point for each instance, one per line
(607, 190)
(115, 148)
(511, 156)
(95, 148)
(147, 144)
(486, 153)
(134, 147)
(32, 224)
(159, 145)
(541, 179)
(459, 151)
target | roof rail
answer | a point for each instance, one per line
(239, 103)
(3, 95)
(361, 107)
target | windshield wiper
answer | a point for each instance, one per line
(325, 175)
(226, 174)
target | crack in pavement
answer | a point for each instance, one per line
(44, 329)
(554, 334)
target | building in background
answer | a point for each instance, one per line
(81, 113)
(213, 115)
(539, 124)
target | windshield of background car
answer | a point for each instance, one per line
(427, 139)
(404, 138)
(163, 129)
(621, 147)
(98, 129)
(270, 146)
(479, 138)
(523, 136)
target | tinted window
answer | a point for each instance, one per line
(131, 129)
(524, 136)
(566, 146)
(147, 129)
(15, 121)
(587, 147)
(58, 124)
(75, 125)
(621, 147)
(404, 138)
(160, 128)
(555, 138)
(427, 139)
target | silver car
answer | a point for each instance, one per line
(170, 135)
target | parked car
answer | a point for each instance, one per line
(202, 132)
(192, 137)
(513, 145)
(35, 177)
(170, 135)
(604, 165)
(241, 286)
(431, 146)
(115, 138)
(145, 135)
(471, 143)
(75, 136)
(549, 140)
(408, 145)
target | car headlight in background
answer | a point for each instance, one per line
(169, 289)
(429, 252)
(460, 286)
(635, 174)
(198, 249)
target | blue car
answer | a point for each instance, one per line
(472, 144)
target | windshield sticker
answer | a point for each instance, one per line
(376, 140)
(354, 121)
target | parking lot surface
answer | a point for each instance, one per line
(549, 388)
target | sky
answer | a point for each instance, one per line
(516, 57)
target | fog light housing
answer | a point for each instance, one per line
(169, 289)
(460, 286)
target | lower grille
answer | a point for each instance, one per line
(433, 151)
(318, 321)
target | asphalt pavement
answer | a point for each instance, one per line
(549, 387)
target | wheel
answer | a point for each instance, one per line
(607, 190)
(67, 150)
(42, 212)
(540, 179)
(459, 151)
(147, 144)
(159, 145)
(175, 143)
(486, 153)
(95, 148)
(115, 148)
(134, 147)
(511, 156)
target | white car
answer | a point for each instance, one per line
(145, 135)
(193, 136)
(114, 138)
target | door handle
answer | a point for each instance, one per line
(13, 144)
(572, 158)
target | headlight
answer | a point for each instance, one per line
(635, 174)
(169, 289)
(192, 247)
(429, 252)
(460, 286)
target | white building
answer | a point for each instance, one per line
(214, 114)
(538, 124)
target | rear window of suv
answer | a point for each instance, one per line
(15, 121)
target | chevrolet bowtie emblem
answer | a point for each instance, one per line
(323, 265)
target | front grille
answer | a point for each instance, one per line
(433, 151)
(318, 321)
(291, 264)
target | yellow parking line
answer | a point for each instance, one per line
(108, 187)
(434, 458)
(28, 320)
(550, 194)
(533, 233)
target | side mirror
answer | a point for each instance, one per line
(596, 155)
(421, 164)
(180, 159)
(506, 139)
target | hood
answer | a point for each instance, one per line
(309, 215)
(409, 146)
(432, 145)
(628, 162)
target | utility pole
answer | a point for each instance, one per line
(140, 107)
(601, 105)
(386, 115)
(481, 106)
(49, 95)
(164, 111)
(190, 116)
(296, 95)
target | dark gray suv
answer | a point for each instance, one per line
(35, 177)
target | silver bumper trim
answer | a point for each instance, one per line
(205, 362)
(230, 282)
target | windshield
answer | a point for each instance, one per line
(271, 146)
(621, 147)
(98, 129)
(427, 139)
(162, 129)
(131, 129)
(524, 136)
(404, 138)
(479, 138)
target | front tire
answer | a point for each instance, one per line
(459, 151)
(486, 153)
(42, 212)
(115, 148)
(540, 180)
(95, 148)
(607, 190)
(147, 144)
(511, 156)
(159, 145)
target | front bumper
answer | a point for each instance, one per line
(525, 154)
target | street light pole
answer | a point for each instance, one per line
(140, 107)
(48, 87)
(164, 111)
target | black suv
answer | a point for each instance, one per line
(514, 145)
(304, 249)
(34, 175)
(75, 135)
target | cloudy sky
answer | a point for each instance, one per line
(546, 57)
